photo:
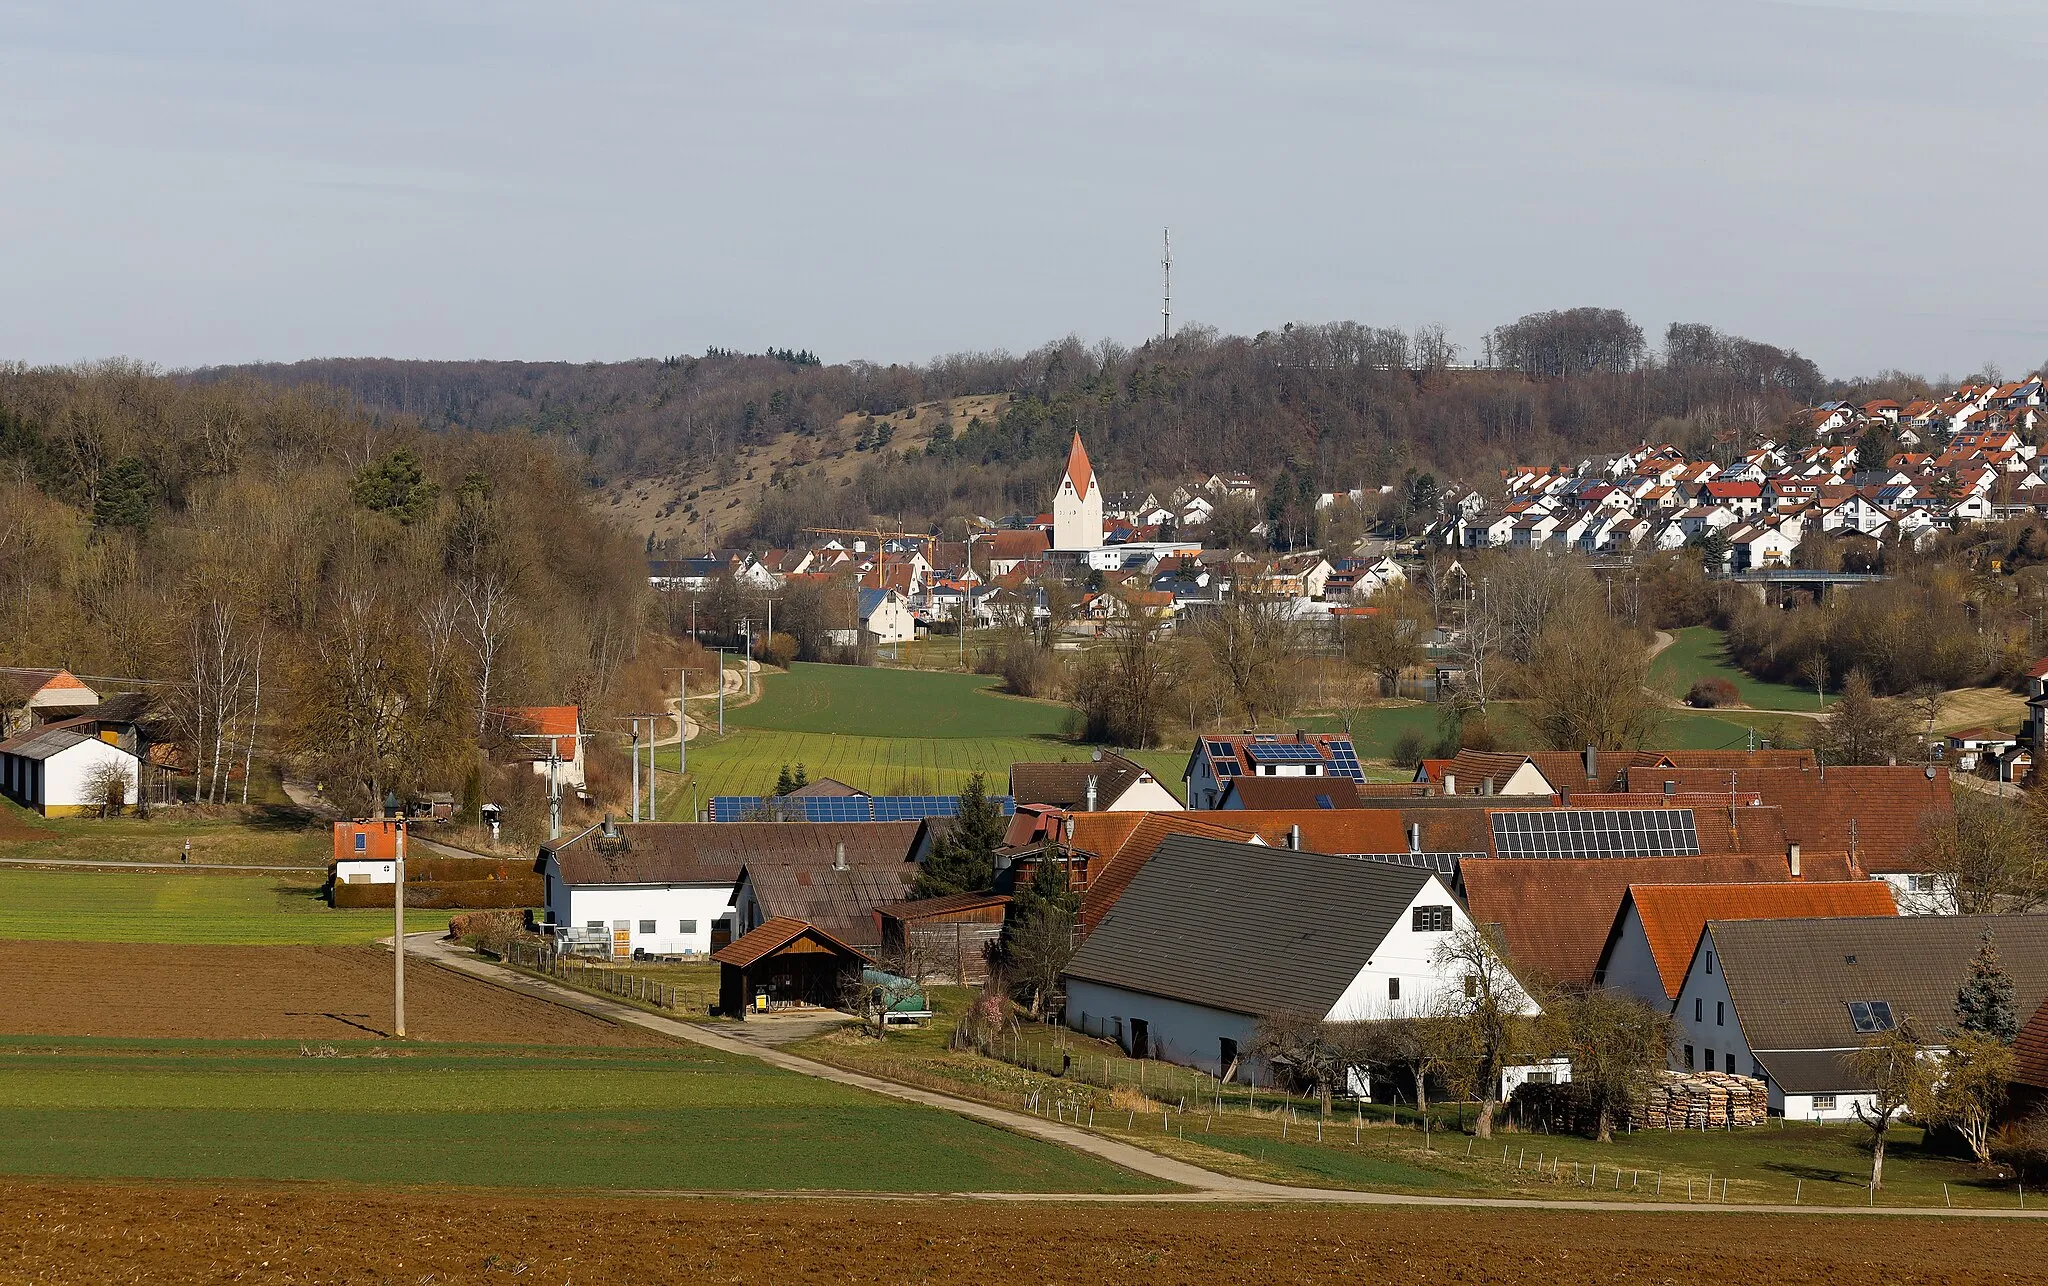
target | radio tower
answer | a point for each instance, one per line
(1166, 283)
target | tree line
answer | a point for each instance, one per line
(290, 575)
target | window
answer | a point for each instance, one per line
(1710, 962)
(1393, 989)
(595, 926)
(1471, 985)
(1431, 919)
(1920, 883)
(1699, 1010)
(647, 926)
(1823, 1102)
(1688, 1058)
(1720, 1013)
(1870, 1016)
(362, 842)
(1710, 1058)
(689, 926)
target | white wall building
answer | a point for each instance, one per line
(1211, 936)
(1077, 504)
(661, 888)
(58, 771)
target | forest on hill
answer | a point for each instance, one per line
(1301, 409)
(278, 561)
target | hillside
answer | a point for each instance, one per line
(697, 503)
(1302, 409)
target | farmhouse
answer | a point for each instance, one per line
(65, 770)
(1216, 760)
(1651, 943)
(834, 875)
(544, 736)
(885, 617)
(1787, 1000)
(1108, 783)
(1212, 936)
(665, 888)
(31, 697)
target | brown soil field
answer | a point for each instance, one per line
(76, 1232)
(264, 993)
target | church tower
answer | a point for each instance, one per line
(1077, 505)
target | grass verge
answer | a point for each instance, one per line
(204, 907)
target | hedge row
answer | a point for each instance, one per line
(435, 895)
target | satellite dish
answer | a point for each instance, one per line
(1930, 772)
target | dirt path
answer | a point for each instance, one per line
(90, 865)
(1202, 1186)
(735, 683)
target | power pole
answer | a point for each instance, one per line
(1166, 284)
(721, 692)
(636, 767)
(398, 936)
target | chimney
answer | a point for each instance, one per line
(1486, 786)
(1593, 765)
(1097, 755)
(1294, 837)
(1415, 837)
(1070, 828)
(1792, 859)
(611, 828)
(839, 856)
(1091, 794)
(1450, 783)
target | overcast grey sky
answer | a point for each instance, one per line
(211, 181)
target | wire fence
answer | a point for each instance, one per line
(608, 980)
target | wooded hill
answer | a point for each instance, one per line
(696, 450)
(355, 588)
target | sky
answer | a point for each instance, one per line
(217, 182)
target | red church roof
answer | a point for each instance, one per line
(1078, 468)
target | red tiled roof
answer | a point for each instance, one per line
(1877, 813)
(1674, 914)
(2030, 1051)
(1078, 468)
(1555, 913)
(559, 722)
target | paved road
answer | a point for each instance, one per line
(1200, 1186)
(147, 866)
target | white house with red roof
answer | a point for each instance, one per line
(535, 730)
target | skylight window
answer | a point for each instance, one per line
(1870, 1017)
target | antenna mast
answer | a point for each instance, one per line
(1166, 285)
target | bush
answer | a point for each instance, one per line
(779, 650)
(1408, 749)
(1712, 694)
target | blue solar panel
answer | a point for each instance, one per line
(1226, 767)
(1344, 760)
(1290, 752)
(856, 808)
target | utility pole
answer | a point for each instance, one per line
(398, 936)
(636, 766)
(721, 692)
(1166, 284)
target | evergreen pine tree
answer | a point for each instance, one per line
(1984, 1003)
(803, 778)
(784, 783)
(963, 859)
(127, 496)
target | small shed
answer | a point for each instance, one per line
(944, 937)
(785, 964)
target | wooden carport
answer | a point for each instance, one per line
(785, 963)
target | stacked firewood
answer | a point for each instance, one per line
(1702, 1101)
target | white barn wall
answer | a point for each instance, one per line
(574, 906)
(1407, 955)
(1179, 1032)
(1632, 968)
(1146, 797)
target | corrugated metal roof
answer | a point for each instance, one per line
(1792, 980)
(1247, 928)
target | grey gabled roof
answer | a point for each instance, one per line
(1792, 980)
(42, 743)
(1247, 928)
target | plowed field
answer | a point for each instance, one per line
(68, 1233)
(264, 993)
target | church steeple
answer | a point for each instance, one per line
(1077, 503)
(1079, 471)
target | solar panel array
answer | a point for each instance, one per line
(843, 808)
(1223, 758)
(1444, 864)
(1282, 752)
(1344, 759)
(1597, 832)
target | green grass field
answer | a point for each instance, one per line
(1698, 652)
(870, 702)
(897, 732)
(181, 906)
(260, 835)
(686, 1118)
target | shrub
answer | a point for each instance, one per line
(1408, 749)
(1712, 693)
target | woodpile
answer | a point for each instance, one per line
(1702, 1101)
